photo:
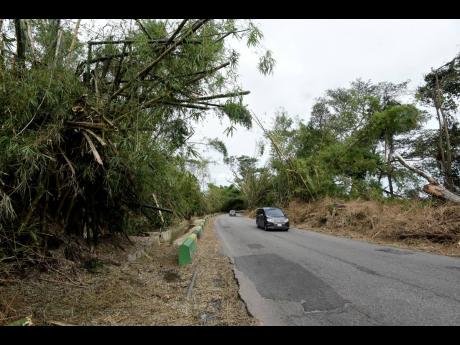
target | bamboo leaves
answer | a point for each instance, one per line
(132, 103)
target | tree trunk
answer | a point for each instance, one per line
(55, 25)
(1, 43)
(389, 142)
(448, 155)
(20, 42)
(442, 164)
(433, 188)
(441, 192)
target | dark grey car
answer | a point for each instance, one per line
(271, 218)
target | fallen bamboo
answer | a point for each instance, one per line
(158, 206)
(149, 67)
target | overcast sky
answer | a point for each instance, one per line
(315, 55)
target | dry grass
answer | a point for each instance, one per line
(414, 225)
(150, 290)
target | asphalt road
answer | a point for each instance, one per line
(305, 278)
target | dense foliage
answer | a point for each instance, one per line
(346, 147)
(91, 134)
(224, 198)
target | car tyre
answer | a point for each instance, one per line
(265, 227)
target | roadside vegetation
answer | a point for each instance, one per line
(96, 155)
(96, 125)
(95, 140)
(366, 157)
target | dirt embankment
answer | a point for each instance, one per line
(414, 224)
(148, 290)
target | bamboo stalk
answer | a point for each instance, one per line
(116, 80)
(143, 29)
(87, 124)
(222, 95)
(88, 65)
(58, 47)
(179, 104)
(29, 34)
(204, 73)
(160, 57)
(157, 41)
(20, 42)
(98, 138)
(74, 39)
(1, 42)
(159, 210)
(176, 32)
(93, 149)
(281, 155)
(68, 162)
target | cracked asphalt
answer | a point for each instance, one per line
(306, 278)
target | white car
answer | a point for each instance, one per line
(232, 213)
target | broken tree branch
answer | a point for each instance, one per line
(419, 172)
(433, 188)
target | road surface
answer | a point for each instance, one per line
(305, 278)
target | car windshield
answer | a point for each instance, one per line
(274, 212)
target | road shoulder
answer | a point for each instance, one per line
(150, 290)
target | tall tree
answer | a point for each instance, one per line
(441, 90)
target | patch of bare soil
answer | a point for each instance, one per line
(148, 290)
(412, 225)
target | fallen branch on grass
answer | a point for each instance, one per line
(190, 288)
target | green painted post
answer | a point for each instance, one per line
(186, 251)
